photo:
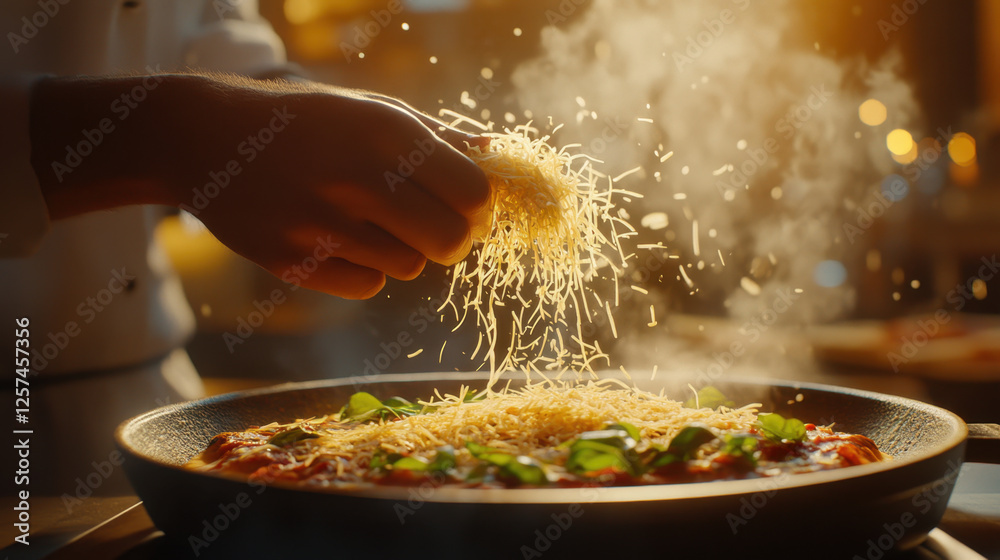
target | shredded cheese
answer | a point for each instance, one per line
(528, 421)
(554, 225)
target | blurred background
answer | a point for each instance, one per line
(820, 175)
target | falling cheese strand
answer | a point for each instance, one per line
(544, 246)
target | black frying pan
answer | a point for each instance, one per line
(861, 511)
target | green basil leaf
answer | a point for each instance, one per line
(410, 410)
(682, 447)
(618, 438)
(291, 436)
(709, 397)
(631, 430)
(398, 406)
(361, 406)
(591, 460)
(397, 402)
(444, 460)
(689, 439)
(741, 446)
(479, 473)
(778, 428)
(479, 450)
(381, 459)
(663, 459)
(411, 464)
(525, 469)
(590, 455)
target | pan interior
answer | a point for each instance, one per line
(905, 429)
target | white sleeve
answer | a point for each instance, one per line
(24, 218)
(233, 37)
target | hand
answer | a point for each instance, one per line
(329, 189)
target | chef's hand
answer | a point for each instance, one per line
(330, 189)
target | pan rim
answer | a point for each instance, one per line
(555, 496)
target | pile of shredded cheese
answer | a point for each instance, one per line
(552, 229)
(528, 421)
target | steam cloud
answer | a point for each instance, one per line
(765, 125)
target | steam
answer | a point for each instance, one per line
(769, 156)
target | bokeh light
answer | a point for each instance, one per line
(908, 157)
(962, 149)
(899, 142)
(298, 12)
(872, 112)
(979, 289)
(873, 260)
(830, 274)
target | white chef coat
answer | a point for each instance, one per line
(98, 290)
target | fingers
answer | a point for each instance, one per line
(312, 266)
(440, 169)
(435, 154)
(338, 277)
(361, 243)
(412, 216)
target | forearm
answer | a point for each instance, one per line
(327, 184)
(100, 143)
